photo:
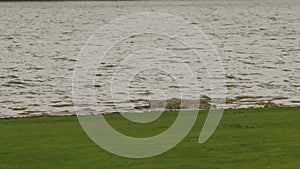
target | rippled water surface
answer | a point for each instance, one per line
(258, 41)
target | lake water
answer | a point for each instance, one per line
(258, 42)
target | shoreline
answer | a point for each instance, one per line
(140, 106)
(168, 110)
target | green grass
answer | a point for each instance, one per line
(246, 138)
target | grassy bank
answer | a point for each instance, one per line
(245, 138)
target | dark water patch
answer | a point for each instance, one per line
(231, 85)
(13, 69)
(185, 49)
(279, 98)
(62, 105)
(17, 83)
(72, 60)
(268, 67)
(230, 77)
(10, 101)
(55, 101)
(7, 38)
(18, 108)
(12, 77)
(252, 74)
(137, 100)
(36, 55)
(6, 85)
(97, 85)
(24, 113)
(172, 86)
(60, 59)
(109, 66)
(35, 68)
(248, 63)
(34, 111)
(248, 97)
(34, 105)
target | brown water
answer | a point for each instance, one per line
(259, 43)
